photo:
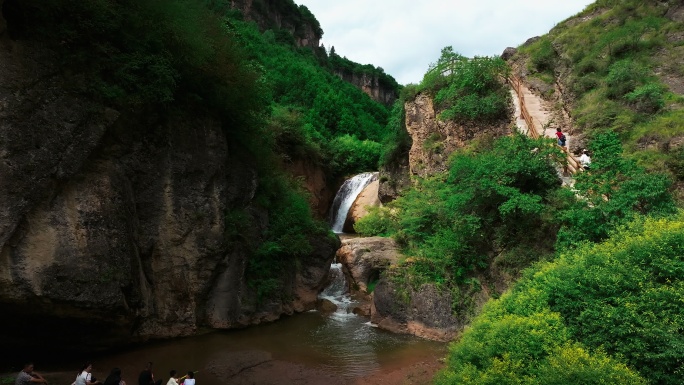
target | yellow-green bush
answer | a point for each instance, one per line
(606, 313)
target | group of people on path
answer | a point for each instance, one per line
(584, 159)
(28, 376)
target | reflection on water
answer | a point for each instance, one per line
(344, 345)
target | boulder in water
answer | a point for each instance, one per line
(365, 258)
(326, 306)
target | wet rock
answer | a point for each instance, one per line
(365, 258)
(368, 197)
(326, 306)
(427, 313)
(363, 310)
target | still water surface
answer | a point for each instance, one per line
(341, 344)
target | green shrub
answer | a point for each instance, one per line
(286, 240)
(378, 222)
(676, 163)
(398, 142)
(454, 223)
(543, 55)
(613, 193)
(624, 296)
(648, 98)
(350, 155)
(607, 313)
(623, 77)
(467, 89)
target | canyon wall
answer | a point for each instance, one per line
(116, 225)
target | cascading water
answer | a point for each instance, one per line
(351, 188)
(336, 292)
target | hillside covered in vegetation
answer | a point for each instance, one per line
(598, 300)
(617, 67)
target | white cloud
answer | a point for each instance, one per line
(405, 36)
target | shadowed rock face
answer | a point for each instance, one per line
(427, 314)
(112, 222)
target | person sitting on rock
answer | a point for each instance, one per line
(173, 380)
(85, 377)
(146, 377)
(114, 378)
(189, 378)
(27, 376)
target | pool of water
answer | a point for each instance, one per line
(341, 344)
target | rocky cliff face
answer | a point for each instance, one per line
(371, 85)
(283, 15)
(113, 223)
(320, 187)
(434, 140)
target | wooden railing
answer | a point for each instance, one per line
(573, 166)
(531, 129)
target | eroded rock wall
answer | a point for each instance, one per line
(433, 140)
(113, 222)
(279, 14)
(370, 85)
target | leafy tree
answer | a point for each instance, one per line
(468, 89)
(612, 193)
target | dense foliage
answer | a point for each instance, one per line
(466, 89)
(584, 316)
(343, 65)
(615, 191)
(495, 197)
(623, 59)
(596, 314)
(332, 117)
(275, 101)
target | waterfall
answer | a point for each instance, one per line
(345, 197)
(336, 292)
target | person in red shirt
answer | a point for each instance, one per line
(561, 137)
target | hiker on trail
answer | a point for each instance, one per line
(585, 160)
(146, 377)
(189, 378)
(561, 137)
(27, 376)
(85, 377)
(114, 378)
(173, 380)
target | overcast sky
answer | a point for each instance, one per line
(405, 36)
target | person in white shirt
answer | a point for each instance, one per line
(585, 160)
(189, 378)
(173, 380)
(85, 377)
